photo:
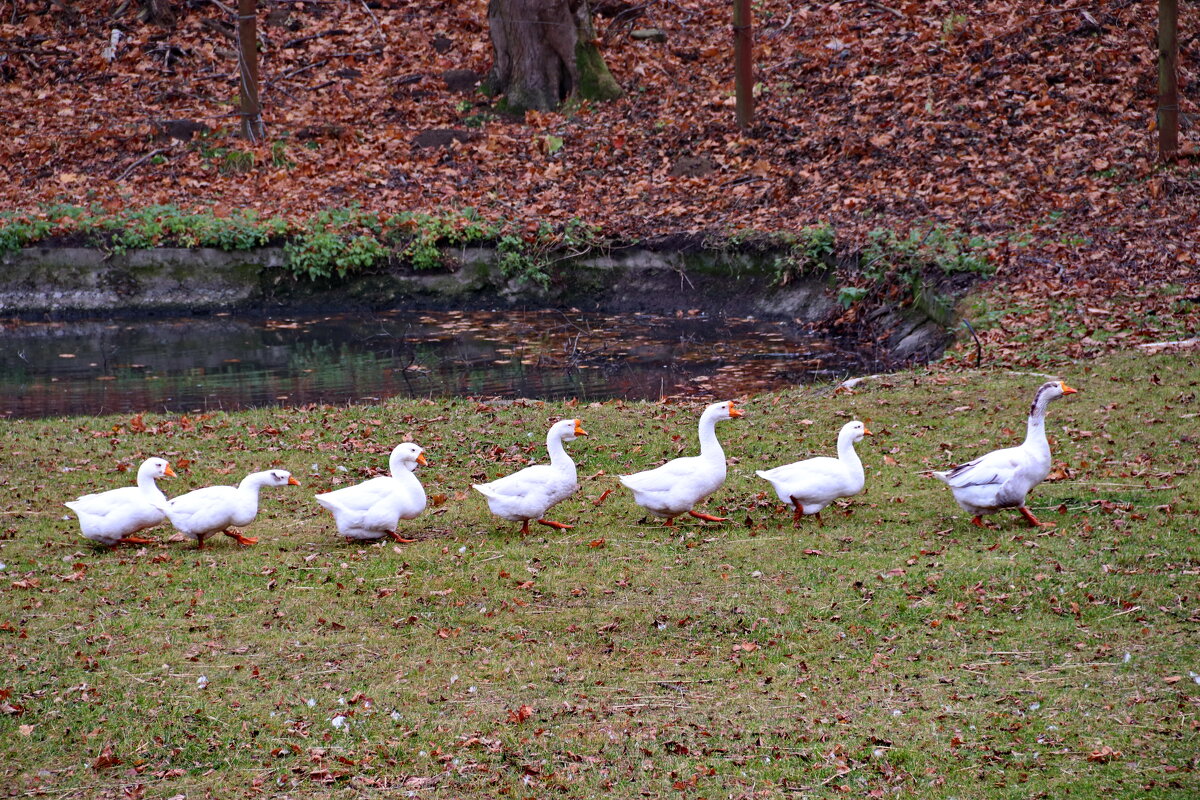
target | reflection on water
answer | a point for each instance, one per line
(228, 362)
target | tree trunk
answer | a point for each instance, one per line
(743, 62)
(158, 12)
(252, 124)
(544, 51)
(1168, 87)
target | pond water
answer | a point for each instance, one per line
(197, 364)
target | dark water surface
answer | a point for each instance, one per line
(227, 362)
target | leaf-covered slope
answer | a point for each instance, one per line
(1017, 119)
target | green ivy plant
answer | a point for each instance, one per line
(890, 259)
(333, 242)
(336, 241)
(811, 251)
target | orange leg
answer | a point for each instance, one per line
(135, 540)
(242, 540)
(602, 497)
(1033, 521)
(977, 521)
(199, 542)
(799, 512)
(398, 538)
(670, 523)
(525, 528)
(562, 526)
(820, 522)
(708, 517)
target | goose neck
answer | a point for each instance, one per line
(145, 480)
(558, 454)
(149, 488)
(398, 465)
(252, 483)
(710, 448)
(847, 454)
(1035, 427)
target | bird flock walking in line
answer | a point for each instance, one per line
(373, 509)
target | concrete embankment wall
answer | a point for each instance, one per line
(78, 281)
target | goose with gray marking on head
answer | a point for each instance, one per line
(1003, 478)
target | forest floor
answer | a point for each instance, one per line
(1032, 127)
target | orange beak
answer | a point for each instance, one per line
(292, 481)
(421, 460)
(1067, 389)
(170, 473)
(867, 432)
(579, 431)
(735, 412)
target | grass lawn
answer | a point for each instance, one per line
(895, 652)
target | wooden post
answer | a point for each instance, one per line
(1168, 88)
(743, 63)
(252, 125)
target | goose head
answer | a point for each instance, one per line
(726, 409)
(568, 429)
(407, 455)
(1064, 389)
(156, 468)
(853, 432)
(278, 477)
(1051, 390)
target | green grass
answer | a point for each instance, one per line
(896, 652)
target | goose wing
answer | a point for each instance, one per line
(813, 480)
(203, 510)
(101, 504)
(360, 497)
(531, 481)
(993, 469)
(666, 477)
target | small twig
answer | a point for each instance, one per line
(292, 43)
(378, 29)
(882, 7)
(787, 24)
(141, 160)
(1120, 613)
(305, 68)
(978, 344)
(1075, 666)
(837, 775)
(791, 62)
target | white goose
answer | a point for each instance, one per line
(678, 485)
(530, 493)
(810, 485)
(206, 511)
(373, 509)
(112, 517)
(1002, 478)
